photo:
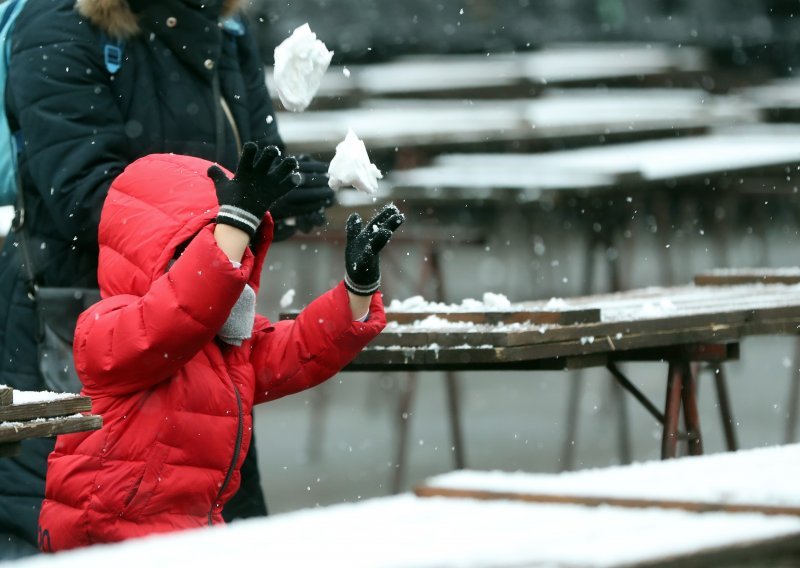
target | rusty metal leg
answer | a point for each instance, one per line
(454, 407)
(725, 407)
(794, 397)
(573, 404)
(690, 412)
(672, 412)
(403, 424)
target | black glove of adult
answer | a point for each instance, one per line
(307, 205)
(262, 177)
(362, 269)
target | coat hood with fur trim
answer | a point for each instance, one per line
(116, 18)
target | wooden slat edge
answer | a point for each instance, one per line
(49, 409)
(691, 506)
(739, 279)
(6, 396)
(49, 428)
(561, 317)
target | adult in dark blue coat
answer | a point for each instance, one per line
(187, 84)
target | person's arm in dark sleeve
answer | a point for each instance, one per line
(73, 131)
(264, 123)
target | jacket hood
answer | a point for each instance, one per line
(116, 18)
(156, 205)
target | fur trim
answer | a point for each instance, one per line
(115, 18)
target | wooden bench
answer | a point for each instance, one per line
(31, 414)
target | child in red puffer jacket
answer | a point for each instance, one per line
(174, 356)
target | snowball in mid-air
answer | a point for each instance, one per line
(287, 298)
(351, 166)
(300, 62)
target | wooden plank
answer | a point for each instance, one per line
(692, 506)
(48, 409)
(660, 344)
(6, 396)
(729, 277)
(16, 431)
(561, 317)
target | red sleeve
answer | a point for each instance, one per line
(127, 343)
(295, 355)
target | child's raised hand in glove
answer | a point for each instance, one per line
(364, 243)
(262, 177)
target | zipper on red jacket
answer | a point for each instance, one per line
(236, 450)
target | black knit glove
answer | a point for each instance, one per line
(262, 177)
(362, 269)
(304, 209)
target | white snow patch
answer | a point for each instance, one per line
(351, 166)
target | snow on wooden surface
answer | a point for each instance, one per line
(32, 397)
(765, 271)
(408, 532)
(390, 123)
(728, 150)
(641, 304)
(763, 476)
(558, 64)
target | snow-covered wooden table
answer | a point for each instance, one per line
(758, 480)
(677, 325)
(407, 531)
(729, 152)
(33, 414)
(514, 74)
(449, 125)
(620, 182)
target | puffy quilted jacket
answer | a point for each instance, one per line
(176, 402)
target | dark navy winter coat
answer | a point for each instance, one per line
(81, 127)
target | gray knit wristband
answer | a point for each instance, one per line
(239, 218)
(360, 290)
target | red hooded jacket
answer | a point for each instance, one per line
(176, 402)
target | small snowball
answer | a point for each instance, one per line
(351, 166)
(287, 298)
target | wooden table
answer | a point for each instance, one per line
(676, 325)
(513, 74)
(559, 117)
(743, 484)
(417, 532)
(789, 276)
(31, 414)
(621, 181)
(747, 481)
(777, 100)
